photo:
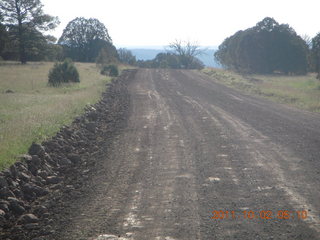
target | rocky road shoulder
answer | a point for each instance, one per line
(33, 190)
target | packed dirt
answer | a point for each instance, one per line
(172, 155)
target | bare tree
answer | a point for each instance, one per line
(187, 52)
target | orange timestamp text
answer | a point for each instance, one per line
(264, 214)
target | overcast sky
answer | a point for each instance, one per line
(207, 22)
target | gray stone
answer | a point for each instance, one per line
(2, 218)
(40, 210)
(64, 162)
(107, 237)
(74, 158)
(20, 167)
(30, 189)
(42, 174)
(4, 207)
(31, 226)
(13, 171)
(53, 180)
(3, 182)
(91, 127)
(36, 160)
(6, 173)
(28, 218)
(93, 115)
(2, 213)
(26, 157)
(12, 183)
(24, 176)
(16, 205)
(6, 193)
(36, 149)
(17, 192)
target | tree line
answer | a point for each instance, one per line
(270, 47)
(22, 36)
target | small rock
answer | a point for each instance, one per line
(36, 160)
(20, 167)
(40, 211)
(4, 208)
(17, 193)
(74, 158)
(3, 182)
(42, 174)
(31, 226)
(30, 189)
(91, 127)
(6, 193)
(12, 183)
(107, 237)
(26, 157)
(16, 205)
(24, 176)
(36, 149)
(13, 171)
(56, 186)
(92, 116)
(2, 213)
(2, 218)
(28, 218)
(53, 180)
(53, 145)
(6, 173)
(33, 169)
(64, 162)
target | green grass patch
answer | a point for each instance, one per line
(35, 111)
(299, 91)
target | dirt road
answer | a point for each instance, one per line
(191, 147)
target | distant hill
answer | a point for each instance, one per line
(148, 54)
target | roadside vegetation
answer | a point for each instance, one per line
(179, 55)
(268, 48)
(30, 110)
(299, 91)
(39, 96)
(272, 60)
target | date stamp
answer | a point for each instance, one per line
(263, 214)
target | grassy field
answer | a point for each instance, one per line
(34, 111)
(299, 91)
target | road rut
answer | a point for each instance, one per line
(193, 146)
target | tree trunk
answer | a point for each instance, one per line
(22, 49)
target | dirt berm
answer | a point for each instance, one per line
(53, 175)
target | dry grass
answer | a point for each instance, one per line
(299, 91)
(35, 111)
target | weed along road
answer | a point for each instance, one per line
(197, 160)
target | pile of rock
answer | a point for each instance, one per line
(43, 170)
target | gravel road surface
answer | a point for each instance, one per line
(198, 160)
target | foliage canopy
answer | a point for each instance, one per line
(265, 48)
(26, 18)
(84, 38)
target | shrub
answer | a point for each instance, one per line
(110, 70)
(64, 72)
